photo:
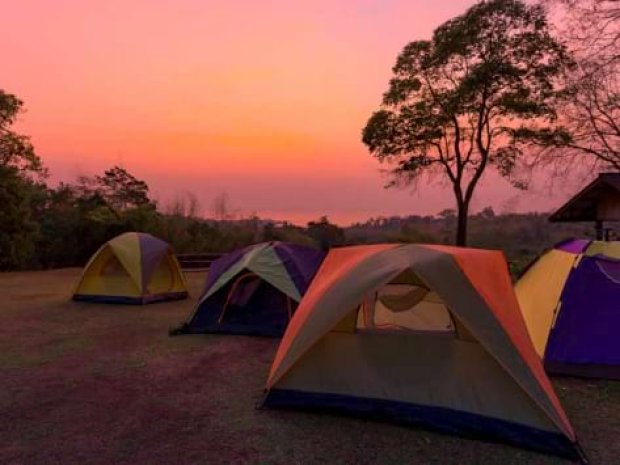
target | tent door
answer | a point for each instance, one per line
(238, 295)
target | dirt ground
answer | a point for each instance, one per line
(100, 384)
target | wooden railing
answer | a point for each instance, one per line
(197, 261)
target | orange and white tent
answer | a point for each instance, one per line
(422, 334)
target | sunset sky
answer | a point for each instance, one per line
(262, 100)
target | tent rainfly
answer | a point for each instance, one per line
(570, 299)
(133, 268)
(420, 334)
(254, 290)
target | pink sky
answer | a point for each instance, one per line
(262, 100)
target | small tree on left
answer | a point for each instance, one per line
(21, 187)
(16, 150)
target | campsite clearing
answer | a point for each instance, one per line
(101, 384)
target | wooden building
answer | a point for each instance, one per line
(598, 202)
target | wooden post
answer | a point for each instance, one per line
(599, 230)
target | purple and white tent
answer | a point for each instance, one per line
(570, 300)
(254, 290)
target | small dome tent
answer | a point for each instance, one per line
(133, 268)
(570, 299)
(254, 290)
(418, 334)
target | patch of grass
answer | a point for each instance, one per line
(10, 360)
(54, 349)
(613, 390)
(106, 384)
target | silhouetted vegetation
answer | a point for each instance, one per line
(326, 234)
(591, 104)
(45, 226)
(522, 236)
(63, 226)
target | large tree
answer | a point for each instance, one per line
(470, 98)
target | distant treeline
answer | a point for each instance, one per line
(522, 236)
(49, 227)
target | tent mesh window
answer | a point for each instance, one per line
(405, 307)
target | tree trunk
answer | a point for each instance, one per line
(461, 223)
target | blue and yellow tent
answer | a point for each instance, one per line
(133, 268)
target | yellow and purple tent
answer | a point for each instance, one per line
(570, 299)
(133, 268)
(420, 334)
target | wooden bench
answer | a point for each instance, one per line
(197, 261)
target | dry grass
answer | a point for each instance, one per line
(96, 384)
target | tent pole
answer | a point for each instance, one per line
(289, 308)
(599, 230)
